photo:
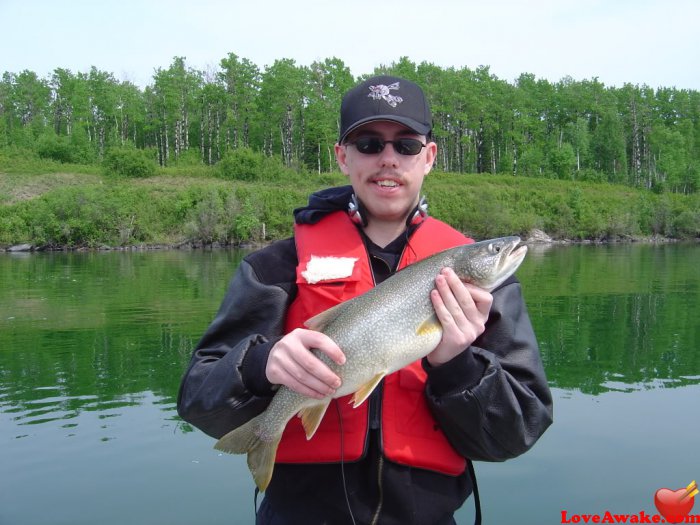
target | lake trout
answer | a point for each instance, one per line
(380, 332)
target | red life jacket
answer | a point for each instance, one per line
(410, 434)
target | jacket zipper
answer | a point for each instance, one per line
(380, 471)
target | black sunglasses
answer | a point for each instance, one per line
(402, 146)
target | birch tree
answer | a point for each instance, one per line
(241, 80)
(282, 105)
(327, 83)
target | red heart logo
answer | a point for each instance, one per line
(673, 505)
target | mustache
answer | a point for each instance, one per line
(387, 174)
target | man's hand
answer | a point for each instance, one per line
(462, 309)
(291, 363)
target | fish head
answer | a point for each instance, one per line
(488, 263)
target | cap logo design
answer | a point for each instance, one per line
(384, 98)
(382, 91)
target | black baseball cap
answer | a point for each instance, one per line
(385, 98)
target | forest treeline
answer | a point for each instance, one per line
(572, 129)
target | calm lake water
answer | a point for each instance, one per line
(93, 345)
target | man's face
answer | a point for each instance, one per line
(388, 183)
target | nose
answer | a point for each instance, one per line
(388, 156)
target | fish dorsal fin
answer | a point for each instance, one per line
(365, 390)
(311, 417)
(319, 321)
(429, 326)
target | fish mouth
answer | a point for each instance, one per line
(512, 255)
(517, 254)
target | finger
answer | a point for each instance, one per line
(303, 342)
(284, 369)
(318, 392)
(444, 315)
(474, 301)
(441, 310)
(481, 298)
(308, 364)
(323, 343)
(454, 295)
(460, 289)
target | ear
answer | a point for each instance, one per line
(430, 156)
(341, 156)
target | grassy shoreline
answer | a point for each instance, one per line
(66, 207)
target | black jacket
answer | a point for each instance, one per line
(492, 401)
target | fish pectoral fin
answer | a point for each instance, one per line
(311, 417)
(365, 390)
(429, 326)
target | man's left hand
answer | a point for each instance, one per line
(462, 309)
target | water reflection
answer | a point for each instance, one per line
(608, 316)
(93, 346)
(78, 331)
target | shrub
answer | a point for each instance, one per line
(189, 158)
(241, 164)
(128, 162)
(687, 224)
(51, 146)
(248, 165)
(207, 220)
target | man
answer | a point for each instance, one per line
(481, 394)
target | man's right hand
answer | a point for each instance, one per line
(291, 363)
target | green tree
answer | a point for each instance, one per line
(282, 104)
(608, 146)
(241, 79)
(212, 106)
(174, 100)
(562, 161)
(328, 81)
(25, 107)
(102, 98)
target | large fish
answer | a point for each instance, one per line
(380, 332)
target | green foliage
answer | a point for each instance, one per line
(687, 224)
(209, 217)
(69, 217)
(572, 129)
(241, 164)
(65, 149)
(189, 159)
(112, 211)
(244, 164)
(15, 159)
(51, 146)
(501, 205)
(562, 161)
(128, 162)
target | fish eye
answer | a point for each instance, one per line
(494, 248)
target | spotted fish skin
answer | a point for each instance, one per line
(380, 332)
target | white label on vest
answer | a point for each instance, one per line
(328, 268)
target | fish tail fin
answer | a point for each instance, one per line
(241, 439)
(261, 454)
(261, 462)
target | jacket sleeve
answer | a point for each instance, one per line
(492, 401)
(224, 385)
